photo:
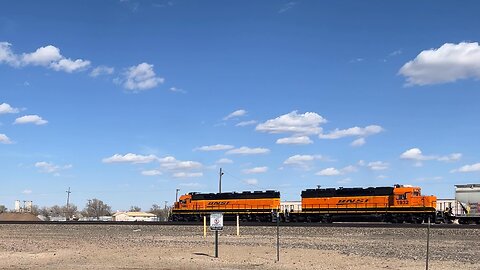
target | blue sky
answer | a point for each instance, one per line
(126, 101)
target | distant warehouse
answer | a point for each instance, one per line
(134, 216)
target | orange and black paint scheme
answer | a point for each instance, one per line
(396, 204)
(250, 206)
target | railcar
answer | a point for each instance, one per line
(468, 198)
(396, 204)
(249, 206)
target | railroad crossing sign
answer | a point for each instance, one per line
(216, 221)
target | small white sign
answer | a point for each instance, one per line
(216, 221)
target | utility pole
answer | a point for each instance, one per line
(176, 194)
(220, 181)
(68, 204)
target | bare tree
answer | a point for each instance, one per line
(3, 209)
(96, 208)
(135, 209)
(162, 213)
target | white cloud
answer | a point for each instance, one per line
(177, 90)
(4, 139)
(468, 168)
(349, 169)
(378, 165)
(224, 161)
(6, 108)
(31, 119)
(248, 151)
(69, 65)
(287, 6)
(130, 158)
(235, 114)
(358, 142)
(354, 131)
(251, 181)
(141, 77)
(48, 56)
(43, 56)
(7, 56)
(171, 163)
(102, 70)
(295, 140)
(246, 123)
(417, 155)
(329, 172)
(303, 161)
(451, 157)
(301, 124)
(151, 172)
(333, 171)
(255, 170)
(216, 147)
(449, 63)
(46, 167)
(27, 191)
(187, 175)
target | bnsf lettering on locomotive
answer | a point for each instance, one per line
(347, 201)
(217, 203)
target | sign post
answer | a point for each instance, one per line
(216, 224)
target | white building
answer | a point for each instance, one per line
(134, 216)
(291, 206)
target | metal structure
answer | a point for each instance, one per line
(468, 200)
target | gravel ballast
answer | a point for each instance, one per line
(61, 246)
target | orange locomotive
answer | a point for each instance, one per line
(390, 204)
(250, 206)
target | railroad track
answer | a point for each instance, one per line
(250, 224)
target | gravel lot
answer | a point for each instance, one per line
(183, 247)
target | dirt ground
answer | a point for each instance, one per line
(184, 247)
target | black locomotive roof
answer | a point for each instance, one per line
(346, 192)
(234, 195)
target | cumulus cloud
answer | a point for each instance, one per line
(246, 123)
(102, 70)
(130, 158)
(295, 140)
(468, 168)
(329, 172)
(354, 131)
(4, 139)
(358, 142)
(334, 172)
(171, 163)
(235, 114)
(6, 108)
(30, 119)
(255, 170)
(224, 161)
(248, 151)
(216, 147)
(302, 161)
(300, 124)
(141, 77)
(187, 174)
(378, 165)
(151, 172)
(47, 167)
(449, 63)
(417, 155)
(27, 191)
(48, 56)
